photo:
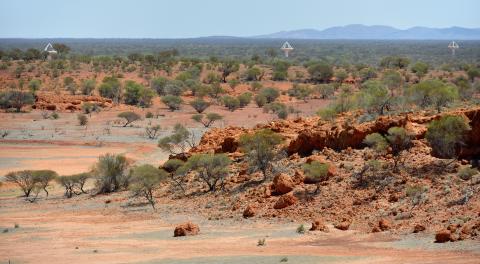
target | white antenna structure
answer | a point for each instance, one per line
(286, 48)
(453, 46)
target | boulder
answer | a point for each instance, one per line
(443, 236)
(345, 225)
(249, 211)
(285, 201)
(319, 225)
(186, 229)
(418, 228)
(283, 183)
(384, 224)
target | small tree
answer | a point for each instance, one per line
(209, 119)
(260, 100)
(320, 72)
(270, 94)
(129, 117)
(446, 135)
(316, 172)
(233, 83)
(158, 84)
(227, 68)
(211, 168)
(374, 97)
(15, 99)
(178, 142)
(420, 69)
(109, 173)
(260, 149)
(145, 179)
(244, 99)
(24, 180)
(152, 131)
(231, 102)
(43, 178)
(88, 86)
(72, 182)
(172, 102)
(171, 166)
(397, 139)
(82, 119)
(199, 105)
(34, 85)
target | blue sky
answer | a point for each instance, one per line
(192, 18)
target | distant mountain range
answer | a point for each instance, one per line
(378, 32)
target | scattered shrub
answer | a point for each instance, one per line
(129, 117)
(446, 135)
(145, 179)
(82, 119)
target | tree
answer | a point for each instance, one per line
(280, 70)
(88, 86)
(34, 85)
(393, 80)
(61, 48)
(253, 74)
(152, 131)
(199, 105)
(280, 109)
(259, 149)
(270, 94)
(260, 100)
(233, 83)
(15, 99)
(320, 72)
(397, 139)
(43, 178)
(24, 180)
(326, 91)
(420, 69)
(172, 102)
(367, 74)
(158, 84)
(175, 88)
(129, 117)
(172, 166)
(109, 173)
(178, 142)
(341, 75)
(316, 172)
(111, 88)
(301, 92)
(432, 92)
(72, 182)
(374, 97)
(446, 135)
(137, 94)
(231, 102)
(209, 119)
(145, 179)
(473, 73)
(244, 99)
(228, 67)
(211, 169)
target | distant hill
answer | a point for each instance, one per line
(357, 31)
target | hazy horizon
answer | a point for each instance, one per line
(190, 19)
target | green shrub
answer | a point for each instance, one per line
(110, 173)
(211, 169)
(466, 173)
(199, 105)
(446, 135)
(231, 103)
(172, 102)
(129, 117)
(145, 179)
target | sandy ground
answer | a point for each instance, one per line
(86, 229)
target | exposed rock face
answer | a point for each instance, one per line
(319, 225)
(48, 101)
(303, 135)
(285, 201)
(443, 236)
(282, 183)
(186, 229)
(250, 211)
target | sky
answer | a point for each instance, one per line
(195, 18)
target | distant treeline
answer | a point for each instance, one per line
(338, 52)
